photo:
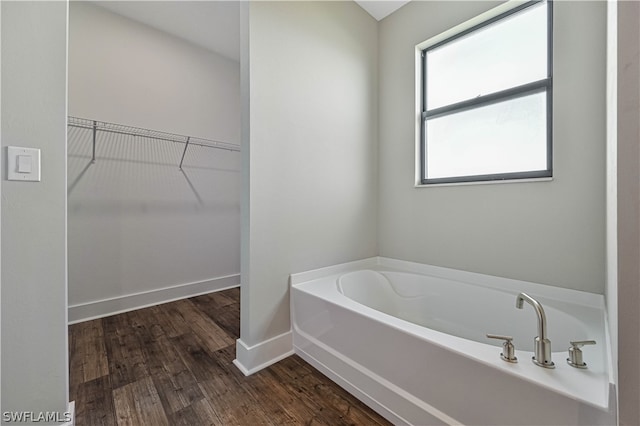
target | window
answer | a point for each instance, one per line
(486, 100)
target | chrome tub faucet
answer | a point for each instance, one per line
(542, 345)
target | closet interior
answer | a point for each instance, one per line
(153, 157)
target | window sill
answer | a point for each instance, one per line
(484, 182)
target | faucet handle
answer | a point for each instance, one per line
(508, 350)
(575, 354)
(499, 337)
(580, 343)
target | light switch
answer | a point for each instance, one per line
(23, 164)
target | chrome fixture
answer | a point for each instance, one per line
(575, 354)
(542, 345)
(508, 350)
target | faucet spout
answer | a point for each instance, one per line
(542, 355)
(542, 318)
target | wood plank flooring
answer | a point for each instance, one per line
(172, 365)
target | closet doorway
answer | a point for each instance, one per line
(153, 153)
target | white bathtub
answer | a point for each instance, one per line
(409, 341)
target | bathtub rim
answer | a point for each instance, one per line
(578, 297)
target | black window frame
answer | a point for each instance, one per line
(543, 85)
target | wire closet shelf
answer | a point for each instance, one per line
(102, 126)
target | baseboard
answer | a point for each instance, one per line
(250, 359)
(115, 305)
(71, 410)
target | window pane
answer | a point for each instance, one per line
(502, 55)
(504, 137)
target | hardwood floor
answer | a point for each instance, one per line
(171, 365)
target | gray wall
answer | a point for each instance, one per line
(629, 212)
(546, 232)
(311, 157)
(1, 174)
(34, 282)
(126, 72)
(136, 222)
(611, 287)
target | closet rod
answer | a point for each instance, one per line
(104, 126)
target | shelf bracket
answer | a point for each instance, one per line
(93, 153)
(186, 145)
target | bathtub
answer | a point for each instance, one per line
(409, 340)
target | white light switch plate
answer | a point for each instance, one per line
(23, 164)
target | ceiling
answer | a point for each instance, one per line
(212, 25)
(380, 9)
(209, 24)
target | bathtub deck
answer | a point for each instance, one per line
(171, 365)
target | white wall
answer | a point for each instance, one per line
(34, 281)
(611, 288)
(628, 212)
(546, 232)
(137, 224)
(125, 72)
(311, 155)
(1, 174)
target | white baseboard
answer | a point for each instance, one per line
(71, 409)
(250, 359)
(115, 305)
